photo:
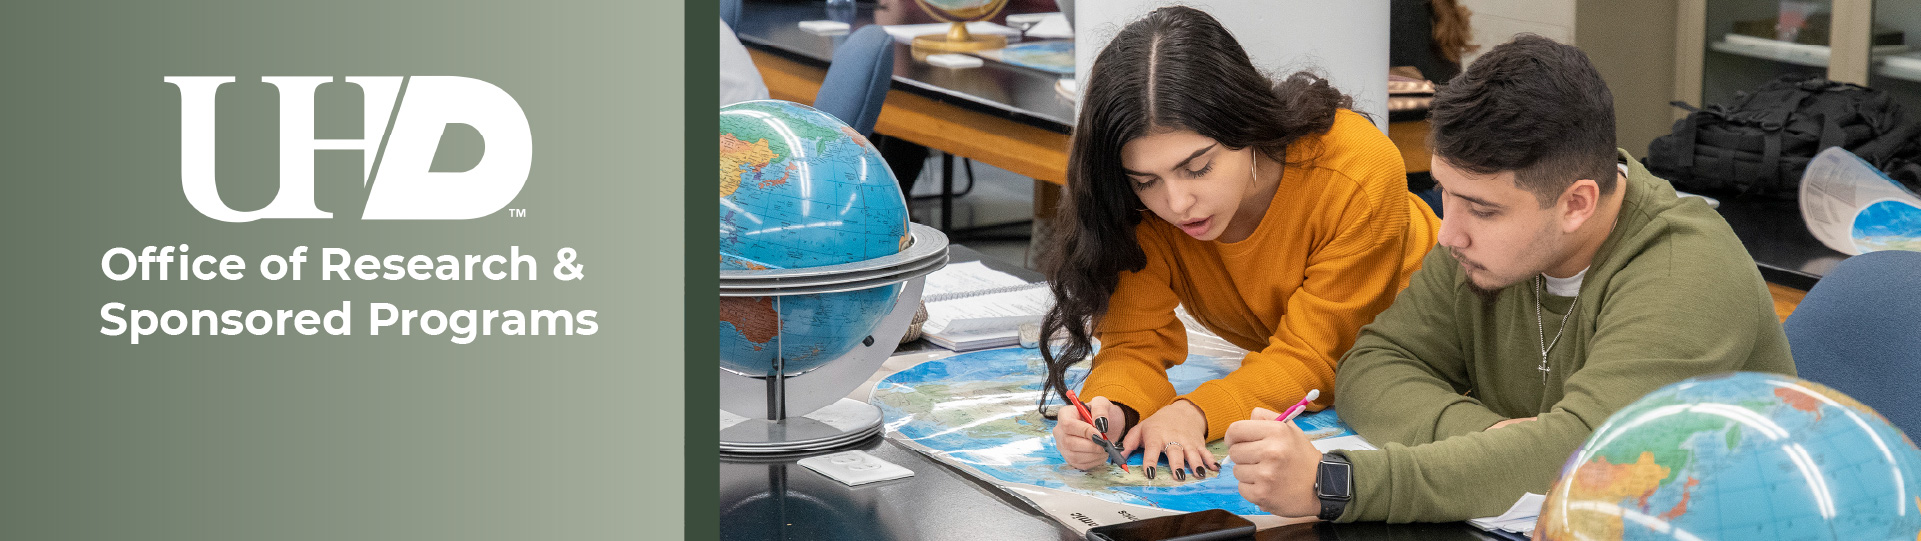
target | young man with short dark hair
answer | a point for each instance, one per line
(1568, 282)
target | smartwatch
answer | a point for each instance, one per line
(1334, 485)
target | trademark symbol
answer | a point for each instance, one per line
(516, 213)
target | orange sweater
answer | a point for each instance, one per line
(1340, 238)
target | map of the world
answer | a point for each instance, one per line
(978, 410)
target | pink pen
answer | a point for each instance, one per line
(1299, 406)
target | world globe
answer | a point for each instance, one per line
(798, 189)
(1742, 456)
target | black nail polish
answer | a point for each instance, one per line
(1178, 476)
(1100, 423)
(1150, 472)
(1097, 440)
(1200, 473)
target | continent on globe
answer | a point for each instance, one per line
(1739, 456)
(738, 158)
(753, 317)
(800, 189)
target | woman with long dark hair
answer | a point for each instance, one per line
(1280, 219)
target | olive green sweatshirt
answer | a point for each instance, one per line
(1671, 294)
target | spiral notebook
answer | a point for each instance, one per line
(970, 307)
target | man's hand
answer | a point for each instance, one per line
(1275, 464)
(1178, 431)
(1074, 435)
(1509, 422)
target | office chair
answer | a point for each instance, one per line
(1859, 331)
(856, 82)
(730, 12)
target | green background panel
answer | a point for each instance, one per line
(340, 437)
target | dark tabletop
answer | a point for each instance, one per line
(1016, 93)
(777, 499)
(1779, 241)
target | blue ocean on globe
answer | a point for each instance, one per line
(798, 189)
(977, 410)
(1742, 456)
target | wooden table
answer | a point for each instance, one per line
(1024, 149)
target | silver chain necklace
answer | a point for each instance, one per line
(1541, 330)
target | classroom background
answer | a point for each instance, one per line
(1799, 120)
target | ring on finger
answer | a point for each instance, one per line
(1170, 444)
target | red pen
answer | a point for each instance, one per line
(1089, 416)
(1299, 406)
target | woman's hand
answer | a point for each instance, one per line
(1178, 431)
(1074, 436)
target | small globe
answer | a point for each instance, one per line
(1741, 456)
(798, 189)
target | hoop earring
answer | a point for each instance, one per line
(1253, 166)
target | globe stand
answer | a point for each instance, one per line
(781, 412)
(958, 40)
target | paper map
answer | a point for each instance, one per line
(976, 411)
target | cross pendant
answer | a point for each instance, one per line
(1544, 371)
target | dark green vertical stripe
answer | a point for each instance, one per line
(703, 280)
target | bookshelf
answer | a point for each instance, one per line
(1900, 74)
(1720, 49)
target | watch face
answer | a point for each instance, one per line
(1334, 481)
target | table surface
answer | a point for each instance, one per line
(1779, 241)
(1020, 94)
(779, 499)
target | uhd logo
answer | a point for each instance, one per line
(405, 189)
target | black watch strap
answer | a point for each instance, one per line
(1334, 485)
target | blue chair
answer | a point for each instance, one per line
(1859, 331)
(856, 83)
(730, 13)
(1431, 196)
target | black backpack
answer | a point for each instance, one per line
(1759, 143)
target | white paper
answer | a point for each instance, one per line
(1712, 202)
(905, 33)
(1051, 25)
(1519, 517)
(965, 277)
(824, 28)
(728, 420)
(1006, 310)
(856, 467)
(1835, 188)
(979, 325)
(1343, 443)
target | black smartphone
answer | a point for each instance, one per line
(1209, 525)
